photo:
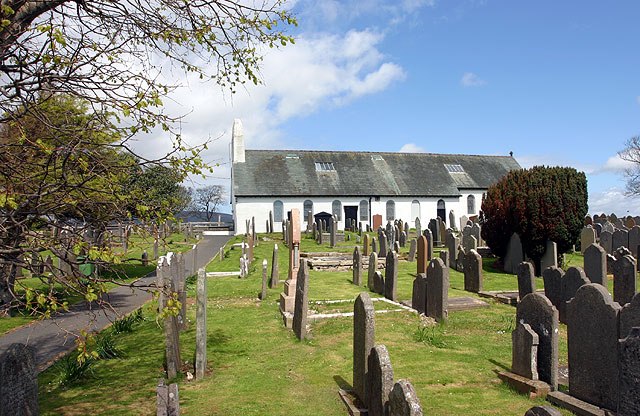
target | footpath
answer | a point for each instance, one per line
(53, 338)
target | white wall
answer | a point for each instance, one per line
(245, 208)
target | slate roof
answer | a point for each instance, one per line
(293, 173)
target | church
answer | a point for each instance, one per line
(357, 185)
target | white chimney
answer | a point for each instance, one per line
(237, 142)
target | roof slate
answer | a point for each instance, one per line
(293, 173)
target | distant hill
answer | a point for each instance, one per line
(197, 216)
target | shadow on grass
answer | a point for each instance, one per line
(499, 364)
(342, 383)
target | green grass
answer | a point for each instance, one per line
(257, 367)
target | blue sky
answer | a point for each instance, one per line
(557, 83)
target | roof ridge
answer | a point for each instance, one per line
(372, 152)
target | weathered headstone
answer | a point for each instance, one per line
(422, 262)
(476, 231)
(629, 316)
(606, 241)
(473, 272)
(514, 255)
(366, 245)
(451, 242)
(526, 279)
(452, 219)
(572, 280)
(201, 324)
(595, 264)
(391, 276)
(624, 279)
(629, 374)
(357, 266)
(634, 240)
(167, 399)
(592, 338)
(429, 249)
(587, 237)
(524, 351)
(18, 381)
(374, 245)
(403, 239)
(379, 381)
(378, 283)
(333, 236)
(442, 229)
(301, 307)
(537, 311)
(363, 342)
(620, 238)
(418, 226)
(373, 267)
(552, 277)
(433, 227)
(419, 293)
(444, 256)
(396, 247)
(550, 256)
(412, 250)
(543, 411)
(403, 400)
(265, 280)
(437, 305)
(275, 269)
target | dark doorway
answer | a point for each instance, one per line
(442, 211)
(350, 214)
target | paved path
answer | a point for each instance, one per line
(54, 337)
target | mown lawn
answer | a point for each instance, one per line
(257, 367)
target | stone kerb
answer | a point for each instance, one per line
(592, 335)
(538, 312)
(363, 342)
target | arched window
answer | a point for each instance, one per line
(364, 210)
(471, 204)
(278, 209)
(391, 210)
(336, 209)
(415, 209)
(308, 209)
(442, 211)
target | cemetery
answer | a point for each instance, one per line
(401, 334)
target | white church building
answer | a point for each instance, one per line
(357, 185)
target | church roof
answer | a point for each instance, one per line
(338, 173)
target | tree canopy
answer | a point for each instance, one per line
(631, 153)
(539, 204)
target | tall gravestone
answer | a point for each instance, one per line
(573, 280)
(629, 316)
(403, 400)
(606, 241)
(452, 219)
(433, 227)
(383, 245)
(444, 256)
(333, 232)
(373, 267)
(413, 248)
(422, 261)
(201, 324)
(620, 238)
(550, 256)
(552, 277)
(419, 293)
(473, 272)
(538, 312)
(592, 338)
(629, 374)
(634, 240)
(429, 247)
(624, 279)
(275, 269)
(587, 237)
(374, 245)
(437, 305)
(366, 245)
(287, 297)
(379, 381)
(595, 264)
(301, 307)
(451, 242)
(418, 226)
(363, 342)
(265, 280)
(391, 276)
(18, 381)
(514, 255)
(357, 266)
(526, 279)
(476, 231)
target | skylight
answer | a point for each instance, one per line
(325, 167)
(376, 157)
(454, 168)
(292, 156)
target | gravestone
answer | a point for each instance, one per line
(419, 293)
(572, 280)
(444, 256)
(587, 237)
(588, 220)
(391, 276)
(201, 324)
(429, 247)
(606, 241)
(514, 256)
(552, 277)
(592, 338)
(598, 229)
(275, 269)
(357, 266)
(629, 374)
(378, 283)
(373, 267)
(624, 279)
(383, 245)
(403, 239)
(537, 311)
(524, 351)
(396, 247)
(452, 219)
(366, 245)
(379, 381)
(435, 230)
(403, 400)
(608, 226)
(18, 381)
(363, 342)
(550, 256)
(167, 399)
(301, 308)
(418, 226)
(451, 242)
(422, 262)
(629, 316)
(619, 239)
(374, 245)
(543, 411)
(437, 305)
(473, 272)
(265, 280)
(333, 229)
(634, 240)
(526, 279)
(442, 229)
(412, 250)
(406, 229)
(270, 221)
(595, 264)
(629, 222)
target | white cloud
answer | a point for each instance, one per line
(411, 148)
(469, 79)
(613, 200)
(615, 164)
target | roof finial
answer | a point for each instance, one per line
(511, 153)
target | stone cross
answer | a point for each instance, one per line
(363, 342)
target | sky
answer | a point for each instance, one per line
(555, 82)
